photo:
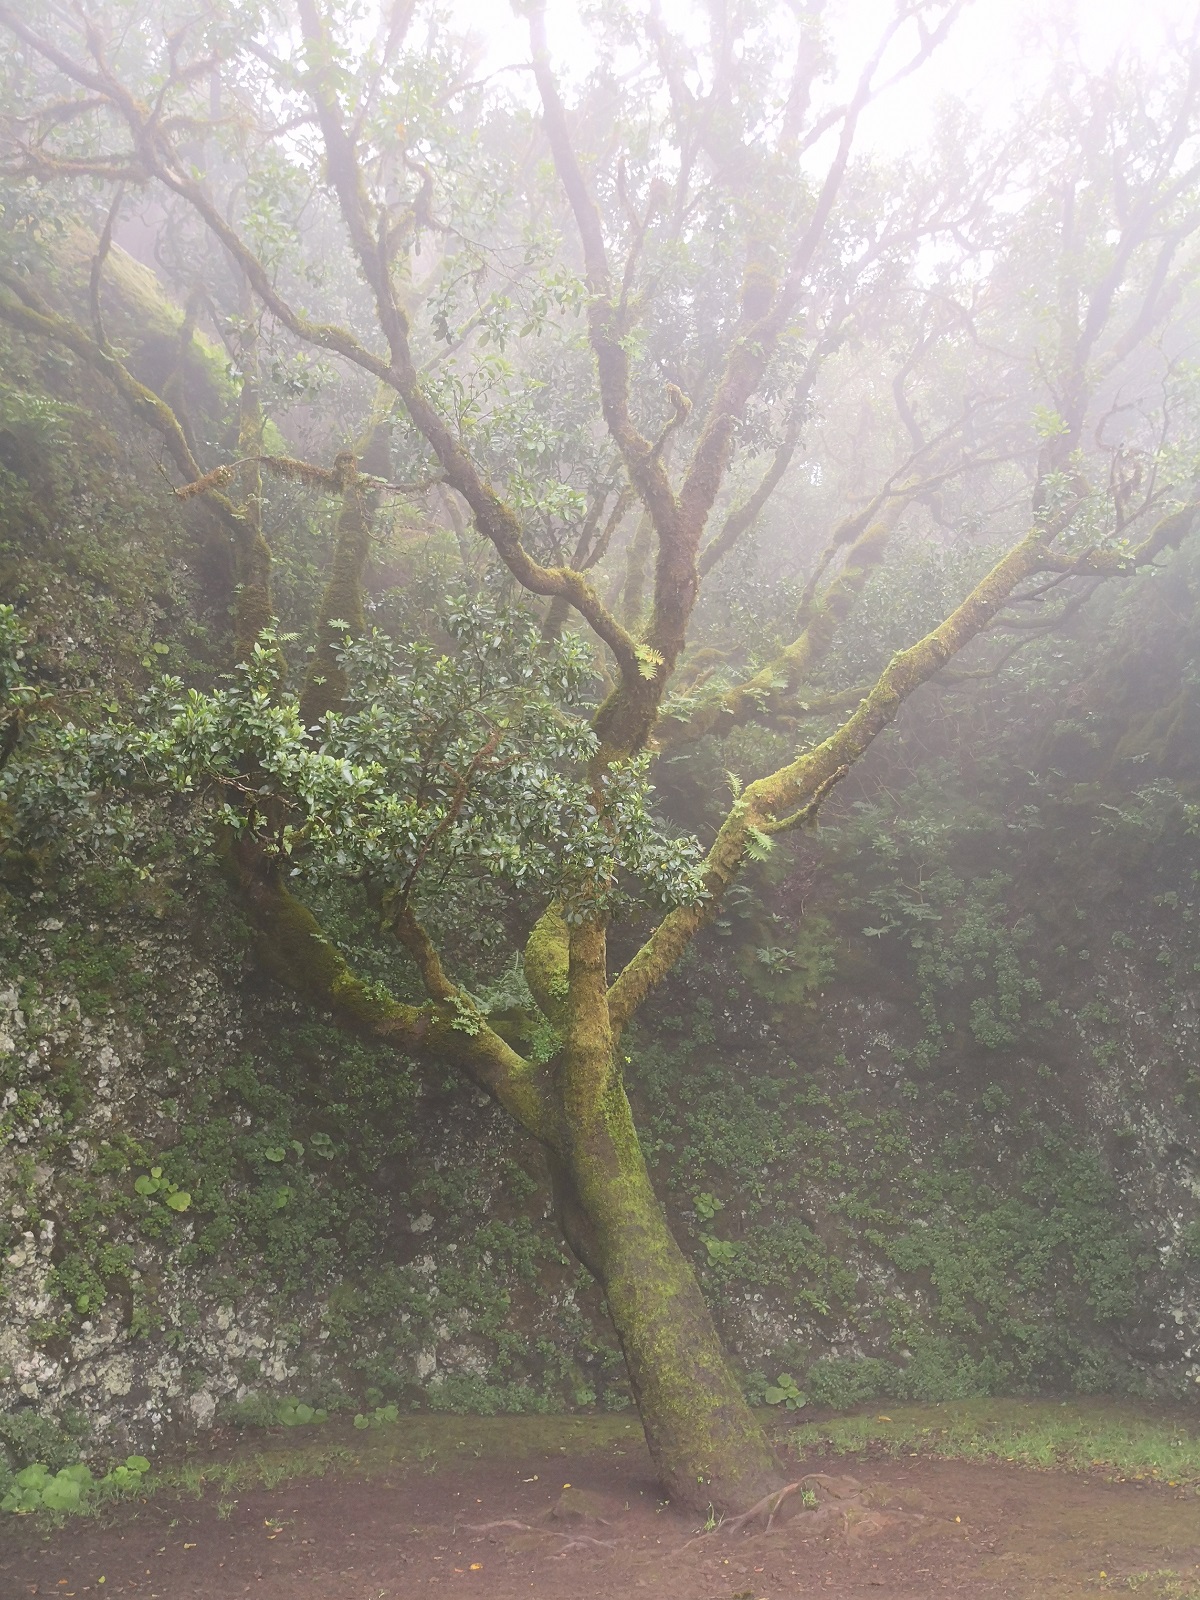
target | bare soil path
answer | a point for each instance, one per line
(583, 1521)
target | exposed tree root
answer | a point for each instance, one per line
(578, 1541)
(575, 1541)
(766, 1509)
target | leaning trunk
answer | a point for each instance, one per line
(706, 1445)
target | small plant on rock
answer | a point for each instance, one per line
(153, 1182)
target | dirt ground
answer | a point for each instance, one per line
(572, 1523)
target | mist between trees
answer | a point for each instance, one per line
(569, 490)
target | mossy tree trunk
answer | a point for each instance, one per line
(707, 1446)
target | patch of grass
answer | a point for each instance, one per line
(1165, 1584)
(410, 1441)
(1120, 1441)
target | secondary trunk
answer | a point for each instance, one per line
(706, 1445)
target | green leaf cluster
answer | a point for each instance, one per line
(72, 1488)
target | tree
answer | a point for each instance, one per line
(614, 362)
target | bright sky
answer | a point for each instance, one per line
(996, 48)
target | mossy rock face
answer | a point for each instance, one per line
(142, 323)
(142, 320)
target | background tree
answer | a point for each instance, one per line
(590, 349)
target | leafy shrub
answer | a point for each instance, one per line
(941, 1369)
(841, 1382)
(719, 1249)
(27, 1436)
(465, 1395)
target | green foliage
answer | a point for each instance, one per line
(154, 1182)
(292, 1413)
(71, 1489)
(719, 1250)
(464, 1396)
(380, 1417)
(793, 974)
(444, 766)
(286, 1411)
(843, 1202)
(27, 1437)
(786, 1393)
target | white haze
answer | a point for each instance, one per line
(997, 51)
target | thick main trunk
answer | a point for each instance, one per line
(705, 1443)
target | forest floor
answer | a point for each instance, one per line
(567, 1509)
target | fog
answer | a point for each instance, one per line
(599, 768)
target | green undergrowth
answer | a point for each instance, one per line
(1120, 1441)
(71, 1489)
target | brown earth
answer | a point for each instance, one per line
(578, 1523)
